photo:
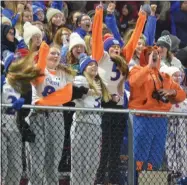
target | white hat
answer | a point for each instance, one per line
(75, 39)
(51, 12)
(169, 70)
(6, 20)
(29, 31)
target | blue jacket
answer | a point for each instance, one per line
(149, 30)
(111, 24)
(180, 19)
(175, 7)
(10, 14)
(57, 5)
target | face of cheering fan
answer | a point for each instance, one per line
(36, 40)
(58, 19)
(139, 47)
(85, 23)
(77, 50)
(53, 58)
(114, 50)
(91, 69)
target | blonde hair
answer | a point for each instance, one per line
(20, 23)
(105, 93)
(58, 36)
(21, 72)
(128, 35)
(87, 40)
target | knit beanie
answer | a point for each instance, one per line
(84, 60)
(175, 41)
(164, 41)
(6, 20)
(51, 12)
(29, 31)
(109, 41)
(75, 39)
(182, 56)
(35, 10)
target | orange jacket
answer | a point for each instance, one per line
(142, 86)
(97, 39)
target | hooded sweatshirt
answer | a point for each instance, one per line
(6, 44)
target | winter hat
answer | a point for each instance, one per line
(169, 70)
(164, 41)
(84, 60)
(36, 9)
(109, 41)
(175, 41)
(182, 56)
(75, 39)
(29, 31)
(6, 20)
(51, 12)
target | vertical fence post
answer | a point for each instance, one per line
(131, 165)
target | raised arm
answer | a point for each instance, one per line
(130, 47)
(110, 21)
(150, 27)
(97, 40)
(41, 64)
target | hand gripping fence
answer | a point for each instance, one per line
(83, 146)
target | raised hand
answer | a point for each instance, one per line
(111, 8)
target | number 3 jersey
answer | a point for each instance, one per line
(53, 81)
(9, 95)
(110, 75)
(87, 101)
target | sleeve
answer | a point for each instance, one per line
(97, 40)
(150, 29)
(43, 52)
(137, 76)
(15, 19)
(181, 95)
(58, 97)
(80, 81)
(110, 21)
(129, 49)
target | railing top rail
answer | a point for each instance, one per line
(99, 110)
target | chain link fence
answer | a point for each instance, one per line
(65, 145)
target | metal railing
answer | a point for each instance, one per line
(81, 141)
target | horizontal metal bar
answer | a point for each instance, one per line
(99, 110)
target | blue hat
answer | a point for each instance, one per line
(35, 9)
(110, 41)
(84, 60)
(8, 60)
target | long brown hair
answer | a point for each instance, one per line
(121, 64)
(21, 72)
(105, 93)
